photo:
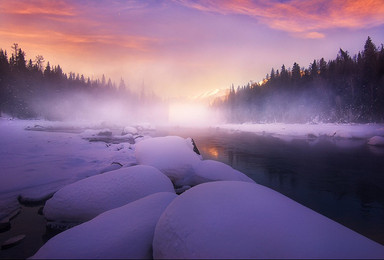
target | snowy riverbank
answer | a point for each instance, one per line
(288, 131)
(122, 210)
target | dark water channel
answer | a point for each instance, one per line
(339, 178)
(31, 224)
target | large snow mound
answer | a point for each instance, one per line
(232, 219)
(85, 199)
(173, 155)
(124, 232)
(210, 170)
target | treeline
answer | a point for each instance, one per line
(28, 89)
(346, 89)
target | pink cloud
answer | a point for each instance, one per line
(303, 18)
(70, 24)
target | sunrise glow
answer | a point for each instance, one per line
(182, 48)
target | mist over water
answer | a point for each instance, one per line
(115, 108)
(312, 105)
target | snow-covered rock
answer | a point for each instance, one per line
(232, 219)
(376, 140)
(13, 241)
(210, 170)
(177, 158)
(85, 199)
(129, 130)
(173, 155)
(96, 132)
(124, 232)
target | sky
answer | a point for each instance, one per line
(183, 48)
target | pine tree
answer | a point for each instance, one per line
(296, 73)
(122, 87)
(47, 71)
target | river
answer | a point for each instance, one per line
(342, 179)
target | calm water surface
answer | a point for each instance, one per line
(341, 179)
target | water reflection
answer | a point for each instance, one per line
(212, 151)
(339, 178)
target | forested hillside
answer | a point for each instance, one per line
(346, 89)
(29, 90)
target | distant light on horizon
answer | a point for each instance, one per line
(183, 48)
(190, 114)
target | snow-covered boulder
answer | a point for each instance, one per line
(124, 232)
(210, 170)
(129, 130)
(376, 140)
(173, 155)
(232, 219)
(85, 199)
(178, 158)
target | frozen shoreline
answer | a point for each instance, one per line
(348, 131)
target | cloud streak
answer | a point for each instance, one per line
(74, 23)
(39, 7)
(307, 19)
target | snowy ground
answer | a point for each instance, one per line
(38, 158)
(34, 164)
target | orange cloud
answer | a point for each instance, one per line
(69, 25)
(39, 7)
(303, 18)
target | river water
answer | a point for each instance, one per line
(342, 179)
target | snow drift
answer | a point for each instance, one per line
(85, 199)
(231, 219)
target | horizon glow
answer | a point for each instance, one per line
(184, 48)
